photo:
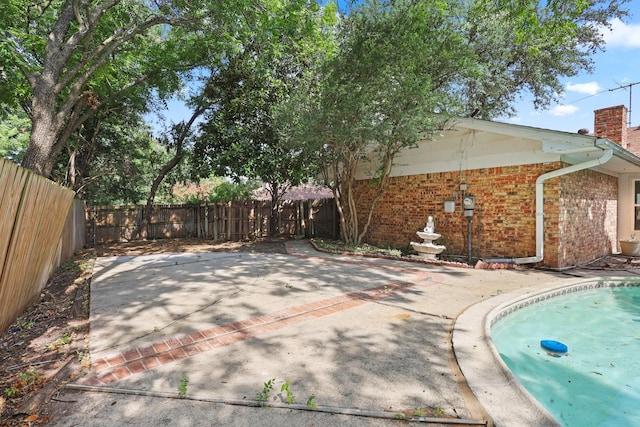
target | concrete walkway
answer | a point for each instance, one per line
(363, 336)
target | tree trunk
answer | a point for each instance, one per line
(276, 190)
(41, 152)
(143, 229)
(273, 215)
(71, 169)
(381, 186)
(182, 130)
(58, 107)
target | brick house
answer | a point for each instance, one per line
(541, 196)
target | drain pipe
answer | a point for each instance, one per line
(607, 154)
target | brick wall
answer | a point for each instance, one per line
(503, 225)
(588, 217)
(611, 123)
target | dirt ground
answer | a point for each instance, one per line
(47, 345)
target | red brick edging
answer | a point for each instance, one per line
(113, 368)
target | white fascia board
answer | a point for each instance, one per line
(526, 132)
(566, 147)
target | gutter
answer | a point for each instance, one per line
(607, 154)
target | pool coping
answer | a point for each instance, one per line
(500, 393)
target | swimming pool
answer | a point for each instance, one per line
(598, 382)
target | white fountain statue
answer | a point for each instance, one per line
(428, 249)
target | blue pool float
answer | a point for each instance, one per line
(554, 347)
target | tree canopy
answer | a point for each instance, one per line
(288, 78)
(403, 67)
(528, 47)
(14, 136)
(64, 59)
(241, 136)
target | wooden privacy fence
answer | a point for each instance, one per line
(228, 221)
(39, 230)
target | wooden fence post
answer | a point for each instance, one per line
(302, 218)
(259, 219)
(279, 218)
(309, 208)
(216, 217)
(229, 225)
(206, 220)
(196, 221)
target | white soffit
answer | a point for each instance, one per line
(464, 149)
(475, 144)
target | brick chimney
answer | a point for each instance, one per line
(611, 123)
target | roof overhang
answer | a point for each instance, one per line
(573, 148)
(469, 144)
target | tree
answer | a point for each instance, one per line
(14, 136)
(378, 95)
(241, 136)
(528, 46)
(60, 59)
(92, 160)
(212, 189)
(403, 67)
(93, 164)
(181, 132)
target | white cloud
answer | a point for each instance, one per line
(622, 35)
(563, 110)
(591, 88)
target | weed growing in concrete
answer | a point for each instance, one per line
(184, 382)
(263, 396)
(286, 395)
(311, 402)
(285, 389)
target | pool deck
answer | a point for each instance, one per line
(496, 388)
(367, 337)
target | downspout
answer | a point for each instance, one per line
(607, 154)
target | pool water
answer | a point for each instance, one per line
(598, 382)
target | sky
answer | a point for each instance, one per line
(618, 66)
